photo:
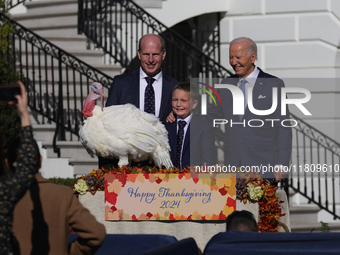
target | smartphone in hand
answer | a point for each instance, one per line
(7, 93)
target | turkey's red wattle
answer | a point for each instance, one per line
(89, 105)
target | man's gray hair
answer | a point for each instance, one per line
(250, 43)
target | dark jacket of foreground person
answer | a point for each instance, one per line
(14, 185)
(42, 219)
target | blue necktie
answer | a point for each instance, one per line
(243, 89)
(149, 96)
(180, 136)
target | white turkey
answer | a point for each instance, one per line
(123, 131)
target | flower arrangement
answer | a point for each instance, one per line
(81, 186)
(262, 191)
(94, 181)
(255, 192)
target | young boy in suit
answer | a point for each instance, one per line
(191, 137)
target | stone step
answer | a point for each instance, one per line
(73, 89)
(45, 126)
(43, 132)
(32, 22)
(56, 168)
(68, 98)
(72, 44)
(72, 106)
(91, 57)
(63, 17)
(68, 149)
(46, 6)
(38, 6)
(37, 119)
(56, 21)
(59, 32)
(304, 214)
(304, 217)
(47, 11)
(110, 70)
(308, 227)
(66, 42)
(82, 165)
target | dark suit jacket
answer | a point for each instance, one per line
(125, 89)
(253, 146)
(199, 143)
(41, 221)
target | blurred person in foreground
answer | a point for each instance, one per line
(13, 185)
(242, 221)
(43, 216)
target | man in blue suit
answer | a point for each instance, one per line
(252, 139)
(195, 145)
(132, 87)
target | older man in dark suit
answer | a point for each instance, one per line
(148, 88)
(252, 139)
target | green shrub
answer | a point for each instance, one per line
(9, 119)
(324, 227)
(67, 182)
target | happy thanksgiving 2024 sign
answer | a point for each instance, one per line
(169, 196)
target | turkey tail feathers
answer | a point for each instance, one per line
(161, 156)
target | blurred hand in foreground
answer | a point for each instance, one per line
(21, 104)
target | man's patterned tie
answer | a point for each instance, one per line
(149, 96)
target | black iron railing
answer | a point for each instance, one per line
(116, 26)
(315, 165)
(58, 83)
